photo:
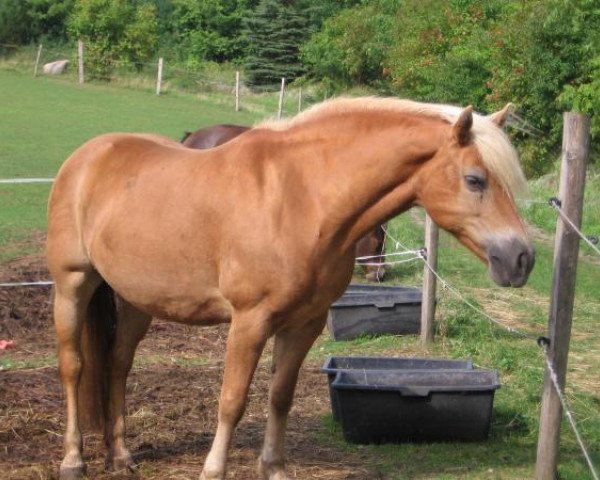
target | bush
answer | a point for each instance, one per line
(207, 29)
(113, 31)
(351, 47)
(14, 22)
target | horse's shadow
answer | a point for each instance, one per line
(190, 443)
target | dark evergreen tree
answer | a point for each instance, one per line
(14, 22)
(275, 31)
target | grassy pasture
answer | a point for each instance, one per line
(43, 120)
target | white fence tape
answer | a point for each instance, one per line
(25, 180)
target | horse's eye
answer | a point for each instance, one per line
(475, 183)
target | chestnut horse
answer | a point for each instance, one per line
(259, 233)
(372, 245)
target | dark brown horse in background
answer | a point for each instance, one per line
(372, 245)
(214, 136)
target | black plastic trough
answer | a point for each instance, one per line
(333, 365)
(375, 310)
(388, 406)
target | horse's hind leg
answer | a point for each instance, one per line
(291, 347)
(73, 293)
(132, 325)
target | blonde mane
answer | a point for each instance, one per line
(497, 153)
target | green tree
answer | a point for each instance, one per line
(113, 30)
(446, 51)
(24, 21)
(275, 31)
(352, 46)
(49, 17)
(546, 57)
(208, 29)
(583, 93)
(138, 42)
(14, 22)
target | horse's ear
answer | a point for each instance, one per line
(500, 117)
(462, 128)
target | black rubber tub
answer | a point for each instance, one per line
(375, 310)
(389, 406)
(333, 365)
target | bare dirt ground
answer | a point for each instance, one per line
(172, 401)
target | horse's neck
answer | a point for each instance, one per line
(369, 172)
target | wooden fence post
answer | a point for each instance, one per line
(299, 99)
(80, 60)
(281, 93)
(576, 138)
(159, 76)
(429, 281)
(37, 60)
(237, 91)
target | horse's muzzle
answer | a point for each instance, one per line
(510, 261)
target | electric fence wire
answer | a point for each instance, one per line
(461, 297)
(555, 203)
(25, 180)
(397, 242)
(44, 283)
(544, 342)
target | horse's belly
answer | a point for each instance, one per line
(203, 306)
(164, 286)
(201, 309)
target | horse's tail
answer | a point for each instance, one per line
(97, 340)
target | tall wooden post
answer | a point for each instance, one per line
(237, 91)
(429, 281)
(37, 60)
(299, 99)
(576, 139)
(80, 60)
(281, 93)
(159, 76)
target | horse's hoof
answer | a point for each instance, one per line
(211, 476)
(281, 475)
(123, 464)
(271, 471)
(75, 472)
(375, 276)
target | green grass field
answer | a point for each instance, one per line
(43, 120)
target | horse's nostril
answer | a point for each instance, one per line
(525, 261)
(522, 261)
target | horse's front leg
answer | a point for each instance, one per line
(132, 325)
(291, 347)
(247, 337)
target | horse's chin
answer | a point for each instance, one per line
(502, 281)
